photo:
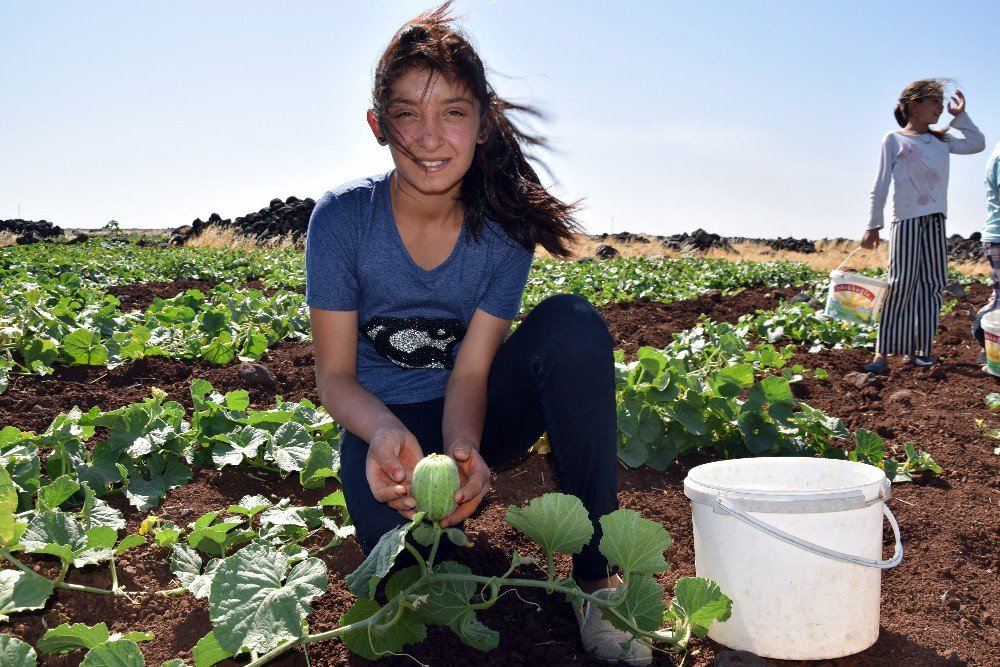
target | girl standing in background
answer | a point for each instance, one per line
(914, 160)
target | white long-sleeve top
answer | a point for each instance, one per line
(917, 168)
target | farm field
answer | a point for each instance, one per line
(939, 606)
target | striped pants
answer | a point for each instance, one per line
(918, 265)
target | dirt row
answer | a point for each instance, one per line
(939, 607)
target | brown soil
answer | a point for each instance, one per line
(939, 607)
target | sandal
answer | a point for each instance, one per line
(925, 361)
(604, 641)
(878, 367)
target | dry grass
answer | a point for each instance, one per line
(7, 239)
(231, 239)
(829, 256)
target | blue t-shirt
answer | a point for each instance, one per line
(411, 320)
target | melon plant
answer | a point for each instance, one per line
(435, 483)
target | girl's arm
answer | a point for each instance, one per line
(392, 450)
(465, 409)
(972, 140)
(883, 179)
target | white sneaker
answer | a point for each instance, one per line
(604, 641)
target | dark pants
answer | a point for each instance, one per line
(554, 374)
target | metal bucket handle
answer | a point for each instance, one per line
(897, 557)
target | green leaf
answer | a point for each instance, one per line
(444, 601)
(22, 591)
(290, 447)
(243, 443)
(250, 505)
(870, 447)
(251, 609)
(70, 637)
(16, 653)
(690, 413)
(738, 375)
(993, 400)
(207, 651)
(119, 653)
(56, 533)
(56, 493)
(322, 463)
(556, 521)
(642, 603)
(220, 350)
(165, 472)
(474, 633)
(370, 643)
(238, 399)
(8, 506)
(335, 499)
(633, 543)
(759, 434)
(362, 581)
(84, 347)
(773, 389)
(186, 565)
(698, 602)
(129, 542)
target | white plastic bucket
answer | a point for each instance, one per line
(796, 543)
(854, 297)
(991, 334)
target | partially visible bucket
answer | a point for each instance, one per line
(991, 334)
(854, 297)
(796, 543)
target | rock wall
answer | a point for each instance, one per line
(279, 219)
(30, 231)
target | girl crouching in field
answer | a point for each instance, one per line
(413, 279)
(915, 161)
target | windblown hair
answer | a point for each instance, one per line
(500, 184)
(916, 91)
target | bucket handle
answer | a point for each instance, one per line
(897, 557)
(878, 251)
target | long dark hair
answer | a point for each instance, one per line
(916, 91)
(500, 184)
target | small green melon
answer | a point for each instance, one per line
(435, 483)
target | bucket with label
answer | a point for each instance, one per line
(991, 335)
(854, 297)
(796, 543)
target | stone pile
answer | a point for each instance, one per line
(966, 250)
(698, 240)
(280, 219)
(30, 231)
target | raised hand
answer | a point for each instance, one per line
(474, 475)
(392, 455)
(957, 103)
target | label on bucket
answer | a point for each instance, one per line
(992, 352)
(854, 303)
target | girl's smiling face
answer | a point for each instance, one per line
(925, 110)
(436, 127)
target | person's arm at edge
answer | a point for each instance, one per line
(879, 193)
(391, 446)
(465, 409)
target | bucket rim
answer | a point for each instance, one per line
(875, 488)
(837, 275)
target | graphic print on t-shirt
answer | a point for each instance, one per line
(415, 342)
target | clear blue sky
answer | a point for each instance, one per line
(753, 119)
